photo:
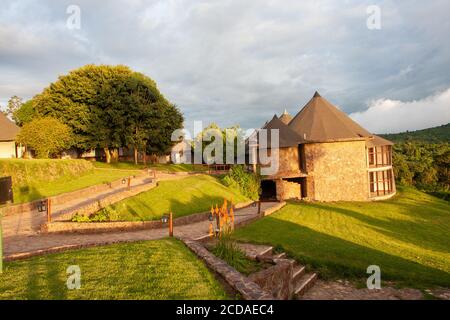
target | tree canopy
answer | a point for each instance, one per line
(111, 107)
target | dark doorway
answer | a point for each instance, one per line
(268, 190)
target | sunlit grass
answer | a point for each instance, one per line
(408, 237)
(182, 196)
(162, 269)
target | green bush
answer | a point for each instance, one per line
(247, 183)
(105, 215)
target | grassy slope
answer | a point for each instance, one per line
(36, 179)
(185, 196)
(408, 237)
(64, 184)
(163, 269)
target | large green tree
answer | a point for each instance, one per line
(111, 107)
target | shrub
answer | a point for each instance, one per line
(47, 136)
(246, 183)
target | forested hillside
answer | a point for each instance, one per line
(430, 135)
(422, 159)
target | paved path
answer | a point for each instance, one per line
(29, 222)
(25, 245)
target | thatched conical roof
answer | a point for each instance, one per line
(320, 121)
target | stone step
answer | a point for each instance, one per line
(298, 272)
(280, 256)
(305, 282)
(266, 253)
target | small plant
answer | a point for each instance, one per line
(80, 218)
(228, 250)
(104, 215)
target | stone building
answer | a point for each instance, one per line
(326, 156)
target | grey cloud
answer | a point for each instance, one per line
(236, 61)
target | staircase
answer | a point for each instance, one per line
(301, 280)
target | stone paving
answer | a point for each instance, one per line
(345, 290)
(24, 245)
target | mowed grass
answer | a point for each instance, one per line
(171, 168)
(40, 178)
(162, 269)
(183, 196)
(38, 190)
(408, 237)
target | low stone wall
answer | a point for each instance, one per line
(103, 203)
(276, 279)
(248, 289)
(99, 227)
(61, 198)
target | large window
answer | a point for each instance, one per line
(380, 156)
(381, 183)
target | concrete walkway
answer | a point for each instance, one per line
(29, 222)
(21, 246)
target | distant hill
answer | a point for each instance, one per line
(431, 135)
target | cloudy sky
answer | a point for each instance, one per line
(242, 61)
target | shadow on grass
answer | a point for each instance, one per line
(335, 257)
(421, 229)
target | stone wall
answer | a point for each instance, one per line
(248, 289)
(287, 190)
(114, 226)
(64, 197)
(337, 171)
(276, 279)
(288, 161)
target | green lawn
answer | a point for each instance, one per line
(408, 237)
(184, 196)
(38, 190)
(179, 167)
(159, 167)
(122, 165)
(162, 269)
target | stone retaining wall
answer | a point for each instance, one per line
(93, 207)
(277, 279)
(62, 198)
(248, 289)
(99, 227)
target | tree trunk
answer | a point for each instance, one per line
(135, 155)
(108, 155)
(145, 154)
(115, 155)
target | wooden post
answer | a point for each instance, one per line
(170, 225)
(49, 210)
(259, 206)
(1, 237)
(129, 183)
